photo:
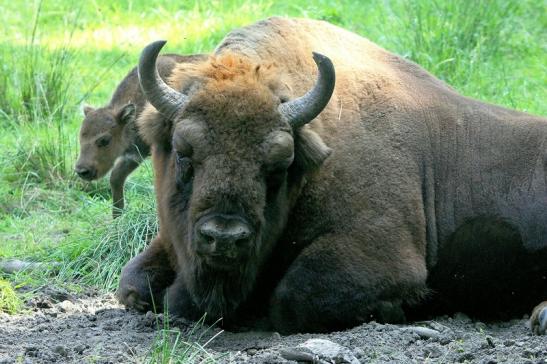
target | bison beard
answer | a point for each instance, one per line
(322, 207)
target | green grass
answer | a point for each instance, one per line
(170, 347)
(9, 301)
(55, 55)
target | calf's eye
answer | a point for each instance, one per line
(183, 169)
(103, 141)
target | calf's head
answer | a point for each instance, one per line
(229, 153)
(101, 139)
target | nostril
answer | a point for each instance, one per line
(85, 173)
(241, 242)
(207, 239)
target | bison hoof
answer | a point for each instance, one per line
(538, 320)
(130, 297)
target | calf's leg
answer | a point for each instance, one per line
(144, 279)
(120, 171)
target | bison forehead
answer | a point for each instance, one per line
(96, 122)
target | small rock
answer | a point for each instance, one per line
(509, 342)
(432, 351)
(79, 349)
(488, 360)
(66, 306)
(445, 340)
(320, 351)
(480, 326)
(466, 357)
(359, 353)
(424, 332)
(490, 342)
(251, 351)
(59, 349)
(439, 327)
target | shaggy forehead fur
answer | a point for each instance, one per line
(230, 93)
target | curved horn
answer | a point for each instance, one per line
(166, 100)
(304, 109)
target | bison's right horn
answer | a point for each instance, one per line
(302, 110)
(166, 100)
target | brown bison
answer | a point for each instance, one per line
(318, 207)
(108, 135)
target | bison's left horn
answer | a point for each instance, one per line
(166, 100)
(304, 109)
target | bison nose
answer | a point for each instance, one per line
(85, 173)
(221, 234)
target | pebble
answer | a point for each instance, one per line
(66, 306)
(432, 351)
(466, 357)
(359, 353)
(424, 332)
(251, 351)
(79, 349)
(61, 350)
(320, 351)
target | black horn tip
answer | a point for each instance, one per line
(319, 58)
(153, 48)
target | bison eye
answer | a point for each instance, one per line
(184, 169)
(103, 141)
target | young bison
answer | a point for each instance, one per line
(322, 207)
(109, 137)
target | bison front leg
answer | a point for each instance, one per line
(538, 320)
(144, 279)
(122, 169)
(331, 286)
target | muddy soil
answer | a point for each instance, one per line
(94, 328)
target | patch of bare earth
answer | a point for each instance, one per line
(93, 328)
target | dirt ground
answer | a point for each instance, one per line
(94, 328)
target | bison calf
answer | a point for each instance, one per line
(109, 137)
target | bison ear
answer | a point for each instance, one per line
(309, 151)
(126, 114)
(87, 109)
(153, 127)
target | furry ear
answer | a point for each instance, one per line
(309, 149)
(154, 128)
(126, 114)
(87, 109)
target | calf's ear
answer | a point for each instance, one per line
(309, 149)
(126, 114)
(87, 109)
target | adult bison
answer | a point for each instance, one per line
(346, 204)
(108, 135)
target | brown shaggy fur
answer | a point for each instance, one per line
(396, 189)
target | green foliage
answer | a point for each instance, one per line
(9, 301)
(169, 346)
